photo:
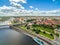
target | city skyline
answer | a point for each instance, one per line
(29, 8)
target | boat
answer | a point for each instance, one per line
(37, 40)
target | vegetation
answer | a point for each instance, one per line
(30, 20)
(58, 26)
(28, 27)
(47, 35)
(4, 18)
(44, 28)
(57, 34)
(15, 22)
(43, 33)
(37, 30)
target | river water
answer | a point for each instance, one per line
(12, 37)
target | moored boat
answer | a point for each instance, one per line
(37, 40)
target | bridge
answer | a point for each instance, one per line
(8, 23)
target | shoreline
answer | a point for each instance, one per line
(29, 34)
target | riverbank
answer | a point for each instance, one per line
(30, 34)
(11, 37)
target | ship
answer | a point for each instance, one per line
(37, 40)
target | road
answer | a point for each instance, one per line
(57, 39)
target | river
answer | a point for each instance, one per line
(12, 37)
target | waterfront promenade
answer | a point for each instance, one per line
(48, 42)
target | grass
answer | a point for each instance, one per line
(50, 31)
(22, 27)
(44, 29)
(41, 33)
(47, 35)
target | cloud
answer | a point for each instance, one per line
(5, 7)
(8, 9)
(18, 10)
(17, 5)
(31, 6)
(23, 1)
(12, 11)
(36, 9)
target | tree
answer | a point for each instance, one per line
(44, 32)
(37, 31)
(28, 27)
(51, 34)
(57, 34)
(25, 25)
(34, 29)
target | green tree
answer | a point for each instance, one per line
(34, 30)
(28, 27)
(37, 31)
(44, 32)
(51, 34)
(57, 34)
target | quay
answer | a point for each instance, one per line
(29, 34)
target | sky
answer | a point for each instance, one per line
(29, 7)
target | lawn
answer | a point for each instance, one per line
(47, 35)
(44, 29)
(23, 27)
(41, 33)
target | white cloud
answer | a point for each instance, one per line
(18, 10)
(36, 9)
(7, 7)
(31, 6)
(17, 5)
(23, 1)
(12, 11)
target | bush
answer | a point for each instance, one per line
(37, 31)
(29, 20)
(28, 27)
(33, 29)
(57, 34)
(51, 34)
(44, 32)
